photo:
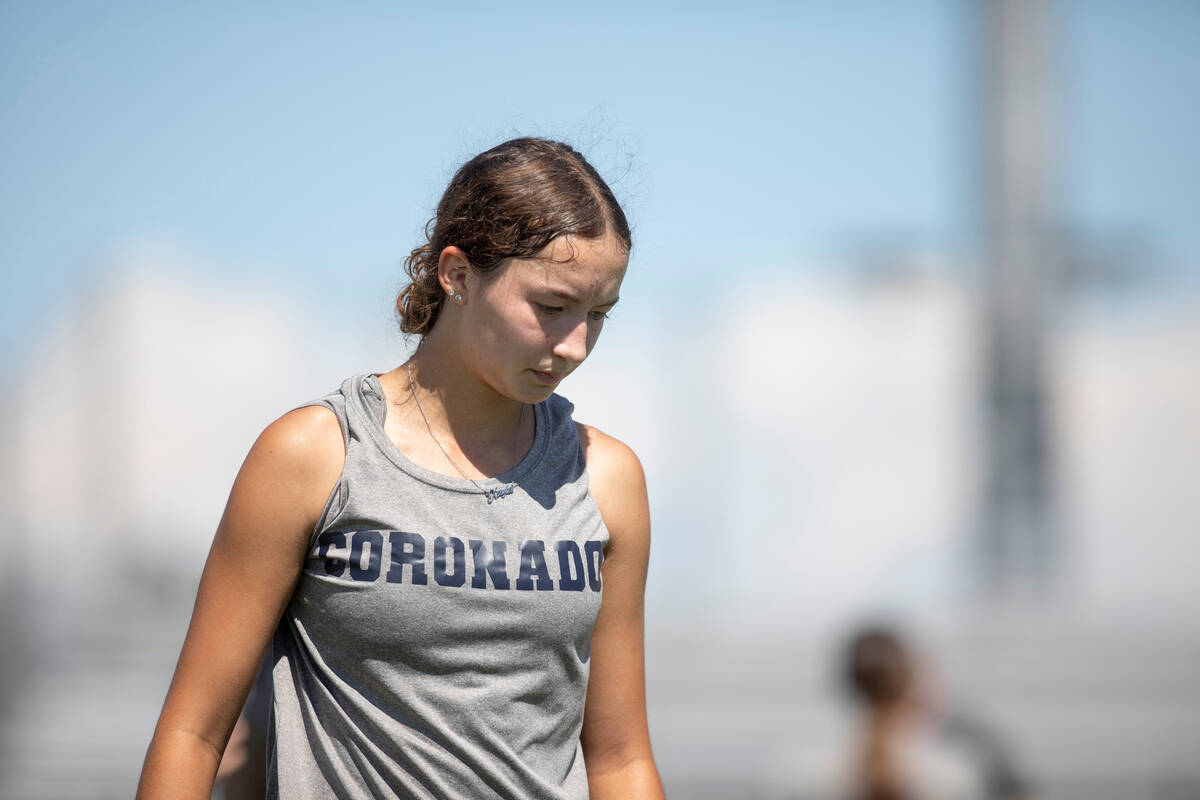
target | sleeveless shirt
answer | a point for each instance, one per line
(436, 644)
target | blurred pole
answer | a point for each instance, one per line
(1016, 544)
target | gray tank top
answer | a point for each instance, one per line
(437, 644)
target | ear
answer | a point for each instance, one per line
(453, 270)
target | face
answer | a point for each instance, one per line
(531, 323)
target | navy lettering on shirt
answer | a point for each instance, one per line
(370, 542)
(486, 565)
(333, 566)
(458, 575)
(570, 566)
(593, 555)
(408, 549)
(360, 555)
(533, 567)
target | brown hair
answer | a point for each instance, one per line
(508, 202)
(877, 666)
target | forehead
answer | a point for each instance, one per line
(586, 268)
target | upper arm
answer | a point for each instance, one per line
(252, 568)
(614, 725)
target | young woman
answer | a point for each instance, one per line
(446, 570)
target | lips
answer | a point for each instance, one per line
(547, 377)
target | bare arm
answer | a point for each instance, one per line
(616, 738)
(252, 569)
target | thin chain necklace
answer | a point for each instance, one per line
(490, 494)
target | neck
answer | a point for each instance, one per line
(893, 715)
(454, 401)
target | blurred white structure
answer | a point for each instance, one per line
(123, 429)
(137, 403)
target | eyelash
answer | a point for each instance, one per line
(552, 310)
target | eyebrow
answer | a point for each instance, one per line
(572, 298)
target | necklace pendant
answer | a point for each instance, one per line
(496, 494)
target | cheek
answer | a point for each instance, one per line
(593, 334)
(522, 336)
(534, 329)
(509, 326)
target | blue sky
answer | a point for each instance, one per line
(307, 143)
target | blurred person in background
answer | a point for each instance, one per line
(904, 745)
(422, 550)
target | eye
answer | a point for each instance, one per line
(548, 310)
(598, 315)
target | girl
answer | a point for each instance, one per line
(447, 569)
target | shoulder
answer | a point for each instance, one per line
(282, 487)
(616, 479)
(306, 438)
(298, 456)
(608, 458)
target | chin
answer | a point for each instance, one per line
(537, 392)
(524, 392)
(540, 394)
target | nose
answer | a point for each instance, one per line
(572, 345)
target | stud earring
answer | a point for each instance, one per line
(457, 297)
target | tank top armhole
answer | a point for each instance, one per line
(585, 477)
(336, 500)
(585, 472)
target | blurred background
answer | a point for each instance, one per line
(911, 333)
